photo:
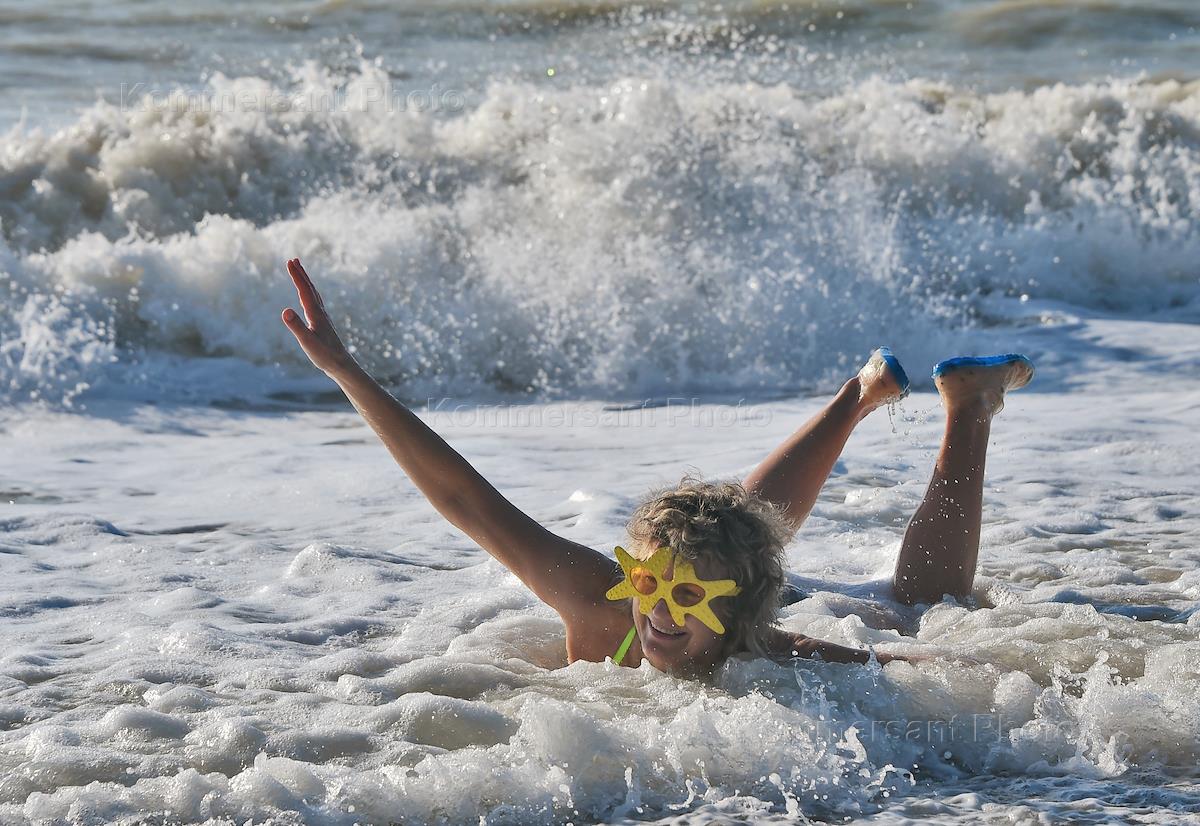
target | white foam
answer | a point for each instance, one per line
(284, 629)
(646, 236)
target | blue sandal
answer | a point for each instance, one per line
(893, 364)
(950, 365)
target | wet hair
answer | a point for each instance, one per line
(722, 523)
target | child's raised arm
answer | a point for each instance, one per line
(569, 577)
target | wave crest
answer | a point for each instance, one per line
(648, 235)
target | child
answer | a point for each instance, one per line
(703, 576)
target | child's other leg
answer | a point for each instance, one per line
(941, 546)
(794, 473)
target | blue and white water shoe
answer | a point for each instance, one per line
(1021, 377)
(883, 367)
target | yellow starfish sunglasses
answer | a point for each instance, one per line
(684, 593)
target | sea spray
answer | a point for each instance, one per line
(643, 237)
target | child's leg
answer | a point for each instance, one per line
(941, 546)
(793, 474)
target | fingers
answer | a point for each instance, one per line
(305, 287)
(309, 298)
(292, 320)
(311, 285)
(298, 280)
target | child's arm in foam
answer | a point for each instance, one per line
(568, 576)
(788, 645)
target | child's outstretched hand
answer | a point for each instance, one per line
(318, 338)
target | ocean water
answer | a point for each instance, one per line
(596, 245)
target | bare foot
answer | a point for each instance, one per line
(965, 381)
(881, 380)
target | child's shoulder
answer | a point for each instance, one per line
(599, 633)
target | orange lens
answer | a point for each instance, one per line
(643, 581)
(686, 595)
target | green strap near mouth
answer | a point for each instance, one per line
(624, 649)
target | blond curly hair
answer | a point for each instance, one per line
(723, 523)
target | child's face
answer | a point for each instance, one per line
(693, 650)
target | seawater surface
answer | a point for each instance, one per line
(225, 616)
(221, 602)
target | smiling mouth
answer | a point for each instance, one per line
(663, 631)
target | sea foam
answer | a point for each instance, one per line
(640, 237)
